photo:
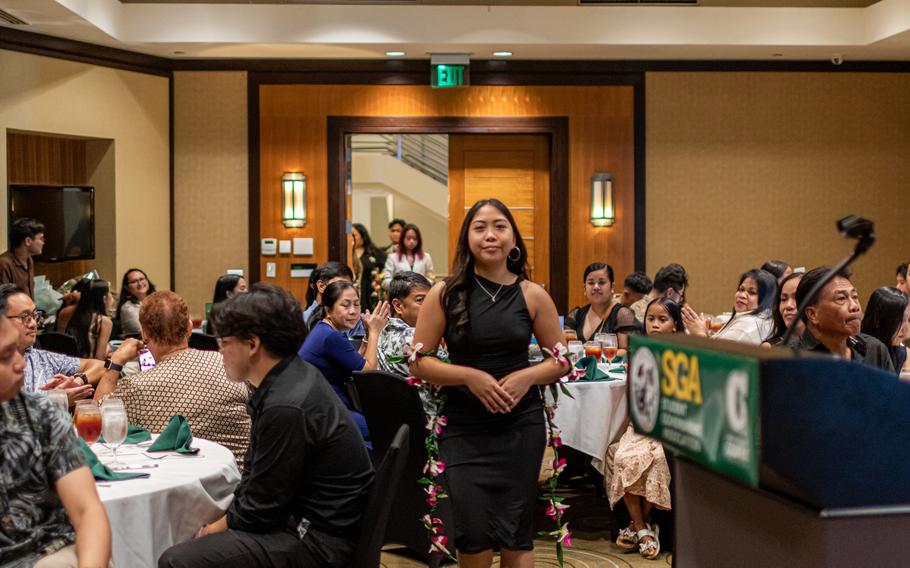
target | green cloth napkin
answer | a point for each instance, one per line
(592, 371)
(101, 471)
(134, 435)
(175, 438)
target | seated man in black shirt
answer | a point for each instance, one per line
(306, 471)
(834, 319)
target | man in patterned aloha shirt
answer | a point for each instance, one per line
(50, 513)
(46, 369)
(406, 294)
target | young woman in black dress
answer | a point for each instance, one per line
(494, 439)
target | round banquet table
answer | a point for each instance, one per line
(149, 515)
(595, 418)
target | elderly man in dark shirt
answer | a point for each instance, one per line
(306, 472)
(834, 319)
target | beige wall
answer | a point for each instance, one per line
(53, 96)
(744, 167)
(211, 216)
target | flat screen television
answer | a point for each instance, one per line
(67, 212)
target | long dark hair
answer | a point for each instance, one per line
(323, 273)
(369, 248)
(455, 296)
(775, 267)
(418, 250)
(125, 295)
(767, 291)
(780, 327)
(673, 309)
(884, 314)
(226, 283)
(91, 302)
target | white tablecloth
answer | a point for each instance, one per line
(595, 418)
(149, 515)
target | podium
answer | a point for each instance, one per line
(782, 460)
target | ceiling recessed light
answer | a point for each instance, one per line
(502, 54)
(394, 53)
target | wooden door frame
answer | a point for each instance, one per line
(556, 128)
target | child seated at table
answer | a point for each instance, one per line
(637, 470)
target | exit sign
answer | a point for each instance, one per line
(444, 75)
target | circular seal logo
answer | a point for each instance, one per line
(644, 388)
(736, 398)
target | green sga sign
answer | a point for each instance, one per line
(443, 75)
(699, 402)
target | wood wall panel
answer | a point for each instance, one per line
(48, 160)
(292, 131)
(515, 170)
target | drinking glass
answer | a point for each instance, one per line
(592, 348)
(111, 402)
(571, 335)
(59, 397)
(576, 350)
(609, 345)
(114, 427)
(87, 418)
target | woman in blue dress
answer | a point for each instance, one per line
(328, 348)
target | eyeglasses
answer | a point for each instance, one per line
(137, 281)
(222, 341)
(24, 317)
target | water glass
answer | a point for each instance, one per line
(111, 402)
(58, 397)
(576, 350)
(114, 427)
(571, 335)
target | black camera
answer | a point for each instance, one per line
(853, 227)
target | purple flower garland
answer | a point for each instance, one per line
(435, 466)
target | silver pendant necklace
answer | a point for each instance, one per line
(487, 292)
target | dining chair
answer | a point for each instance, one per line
(203, 342)
(58, 343)
(380, 500)
(387, 401)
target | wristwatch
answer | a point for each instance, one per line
(111, 366)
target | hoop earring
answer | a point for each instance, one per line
(517, 258)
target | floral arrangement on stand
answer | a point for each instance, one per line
(379, 293)
(435, 466)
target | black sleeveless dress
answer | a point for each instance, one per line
(493, 460)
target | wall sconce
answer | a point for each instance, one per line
(602, 213)
(293, 199)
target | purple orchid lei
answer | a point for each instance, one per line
(556, 507)
(435, 466)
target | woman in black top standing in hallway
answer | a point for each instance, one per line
(494, 440)
(366, 257)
